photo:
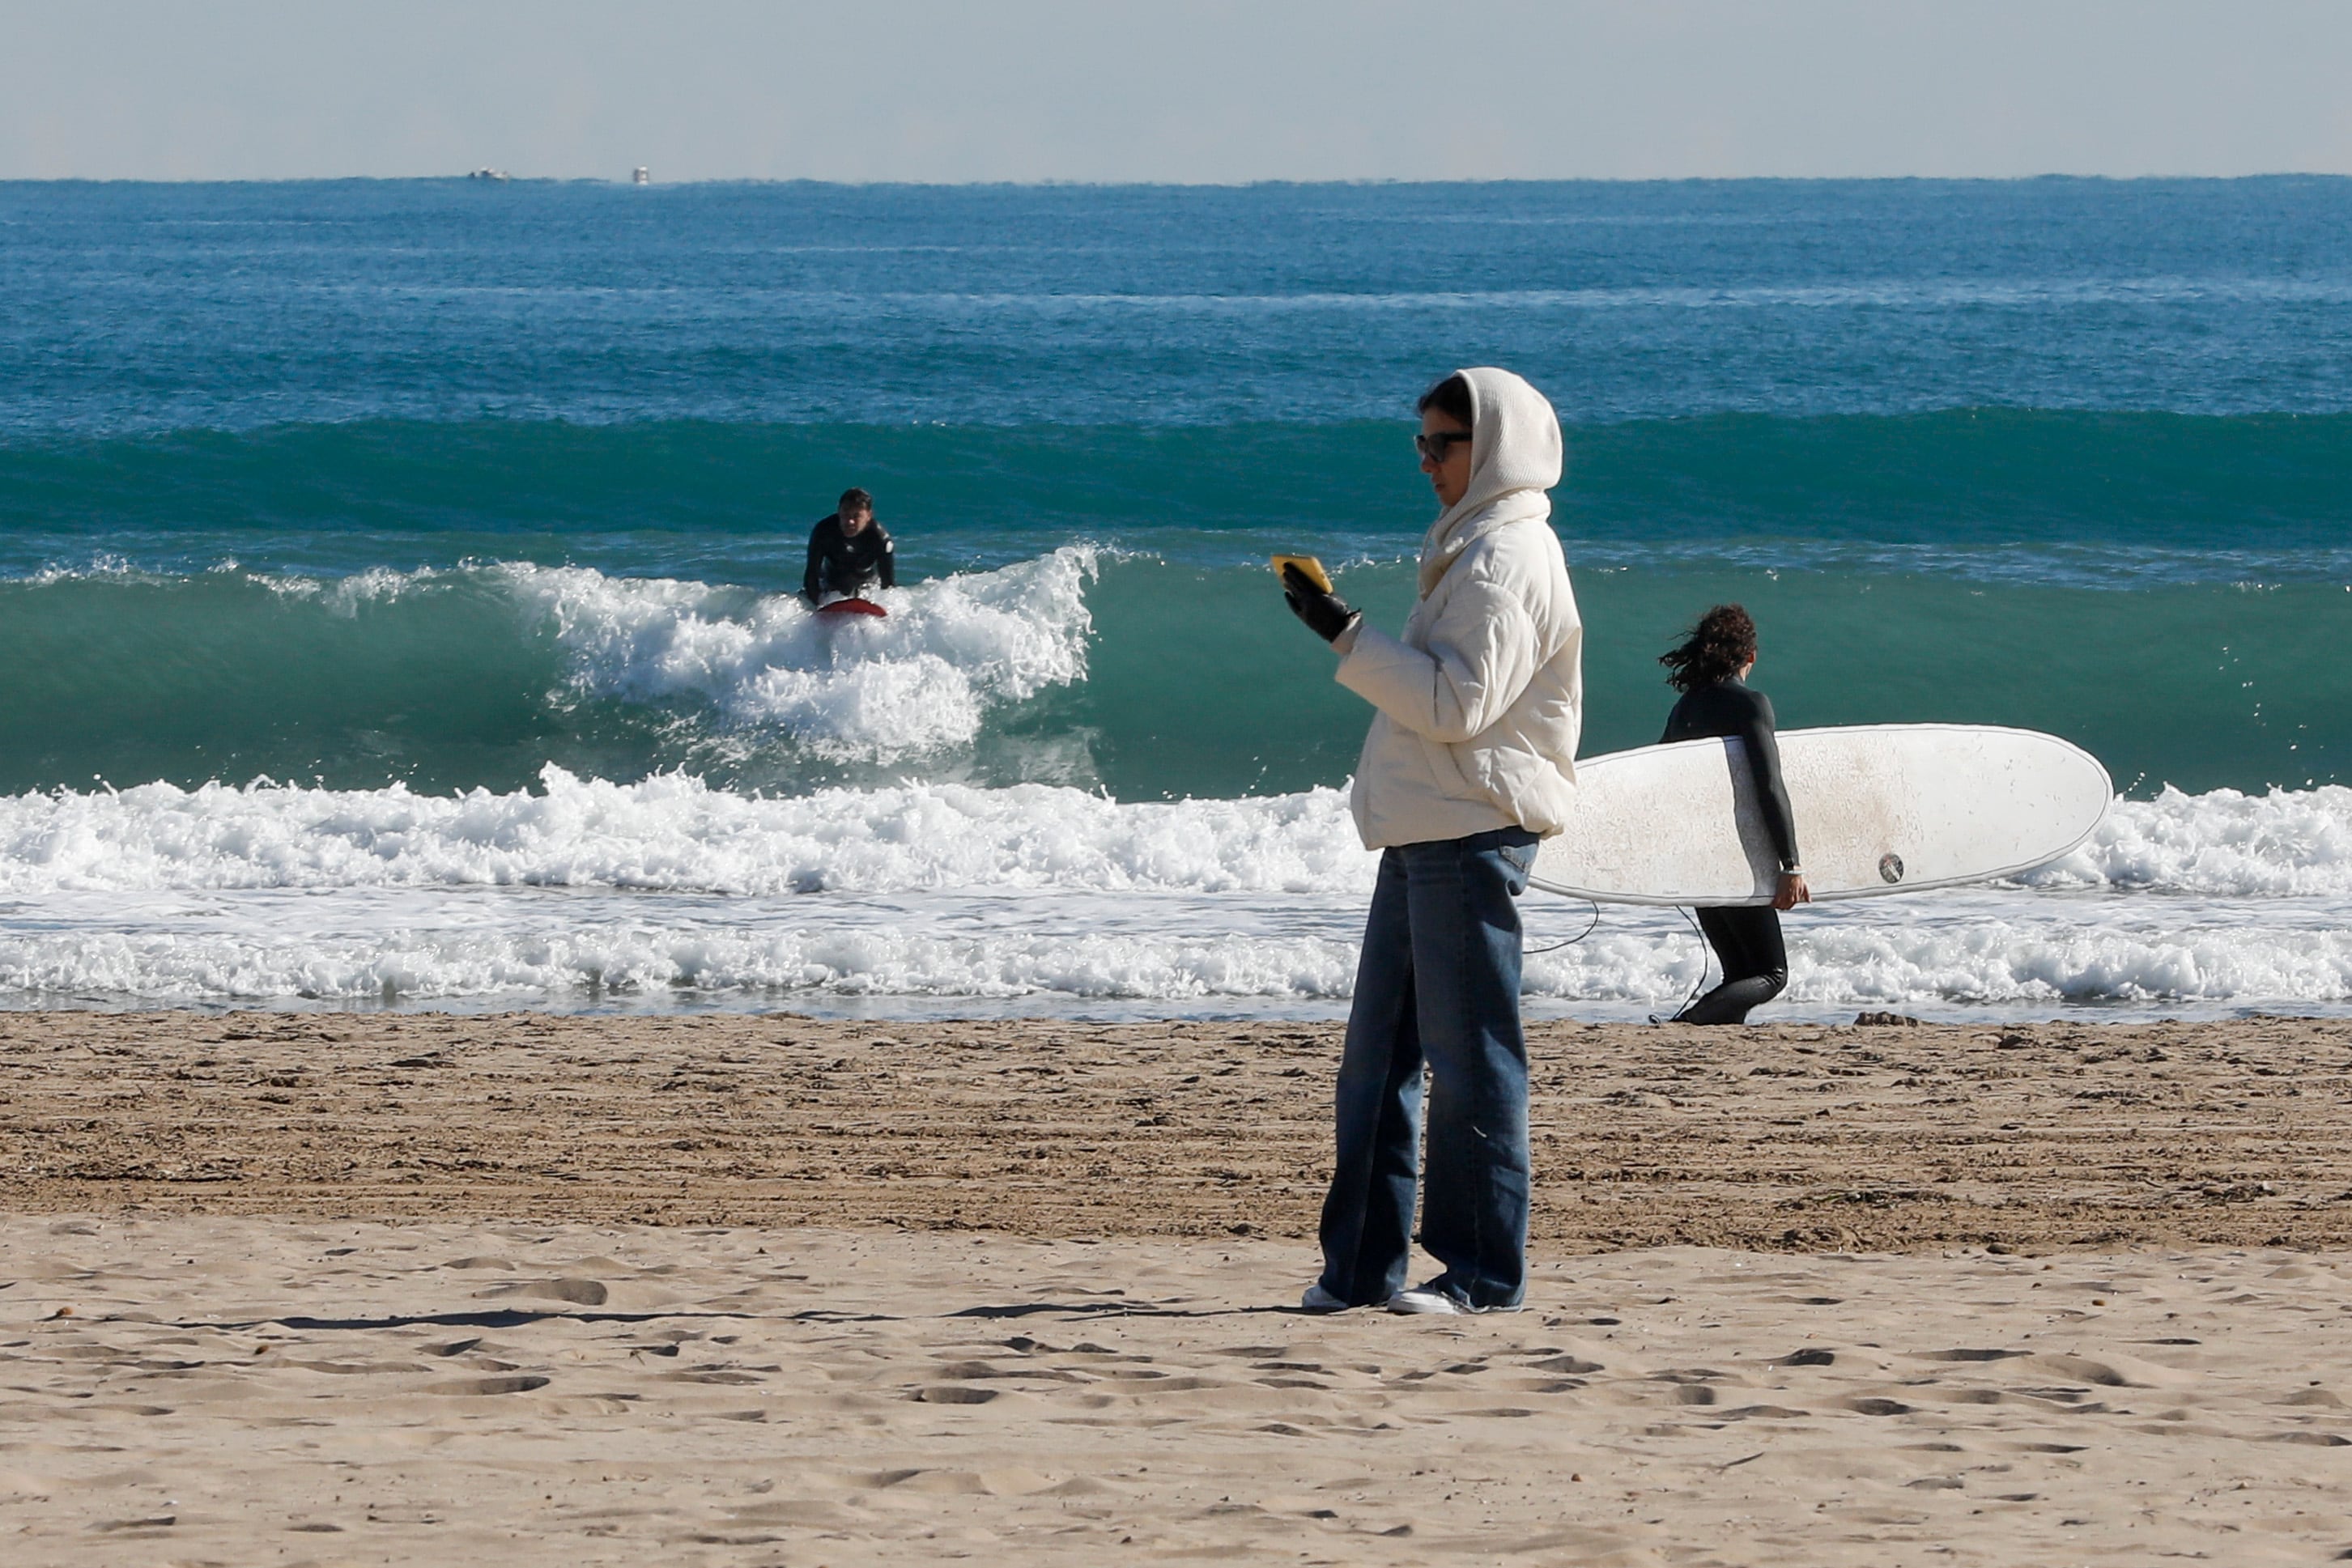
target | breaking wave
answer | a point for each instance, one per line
(846, 689)
(675, 832)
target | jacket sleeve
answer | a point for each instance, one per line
(1764, 762)
(890, 562)
(813, 578)
(1481, 655)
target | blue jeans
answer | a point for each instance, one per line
(1438, 985)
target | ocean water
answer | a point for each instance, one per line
(396, 578)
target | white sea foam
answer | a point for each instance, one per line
(2005, 951)
(1998, 947)
(845, 688)
(437, 944)
(669, 889)
(673, 832)
(2226, 844)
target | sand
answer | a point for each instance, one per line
(332, 1288)
(1791, 1137)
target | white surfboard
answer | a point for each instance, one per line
(1880, 809)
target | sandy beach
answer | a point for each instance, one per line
(1795, 1136)
(334, 1288)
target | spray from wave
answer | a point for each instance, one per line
(863, 689)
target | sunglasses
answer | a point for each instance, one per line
(1437, 448)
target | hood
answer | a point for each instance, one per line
(1515, 457)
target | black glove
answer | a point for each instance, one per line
(1326, 614)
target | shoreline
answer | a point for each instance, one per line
(1245, 1012)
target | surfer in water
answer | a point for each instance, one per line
(1468, 765)
(849, 552)
(1710, 669)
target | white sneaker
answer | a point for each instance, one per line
(1420, 1299)
(1432, 1302)
(1318, 1300)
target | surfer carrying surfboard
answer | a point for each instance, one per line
(849, 552)
(1468, 765)
(1710, 668)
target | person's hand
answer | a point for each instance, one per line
(1792, 891)
(1326, 614)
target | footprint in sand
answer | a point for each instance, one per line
(476, 1386)
(578, 1293)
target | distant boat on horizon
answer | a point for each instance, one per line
(498, 174)
(644, 176)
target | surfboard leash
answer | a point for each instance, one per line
(1705, 953)
(1590, 927)
(1706, 957)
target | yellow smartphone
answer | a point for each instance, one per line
(1307, 564)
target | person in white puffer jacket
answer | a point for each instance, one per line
(1470, 764)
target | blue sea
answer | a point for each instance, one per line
(396, 578)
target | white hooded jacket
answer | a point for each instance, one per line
(1482, 699)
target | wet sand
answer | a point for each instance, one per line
(332, 1288)
(1797, 1137)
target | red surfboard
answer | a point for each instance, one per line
(851, 607)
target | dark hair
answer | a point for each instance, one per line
(856, 500)
(1722, 641)
(1450, 397)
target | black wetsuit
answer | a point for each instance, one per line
(846, 563)
(1746, 938)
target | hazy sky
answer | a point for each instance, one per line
(1184, 90)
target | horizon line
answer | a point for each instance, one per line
(502, 176)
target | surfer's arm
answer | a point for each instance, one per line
(887, 564)
(1764, 761)
(813, 580)
(1480, 659)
